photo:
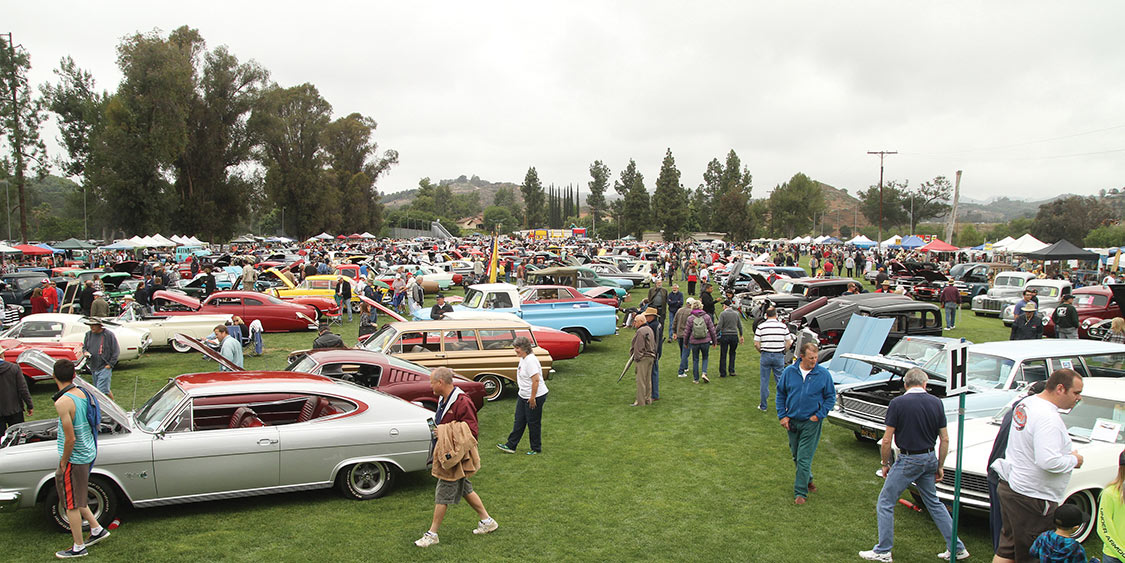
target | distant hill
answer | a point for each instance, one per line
(999, 210)
(459, 185)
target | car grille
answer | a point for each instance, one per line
(863, 409)
(992, 305)
(971, 483)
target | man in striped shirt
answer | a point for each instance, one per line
(772, 339)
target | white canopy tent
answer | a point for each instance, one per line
(1003, 243)
(860, 240)
(367, 235)
(160, 241)
(324, 236)
(5, 249)
(1026, 243)
(893, 241)
(801, 240)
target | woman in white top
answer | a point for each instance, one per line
(529, 404)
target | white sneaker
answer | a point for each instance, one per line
(426, 540)
(962, 554)
(681, 375)
(483, 528)
(871, 555)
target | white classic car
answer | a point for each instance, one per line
(1095, 426)
(163, 328)
(64, 327)
(226, 435)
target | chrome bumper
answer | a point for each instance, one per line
(855, 423)
(9, 500)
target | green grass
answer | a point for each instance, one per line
(701, 475)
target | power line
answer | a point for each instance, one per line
(1025, 143)
(1023, 158)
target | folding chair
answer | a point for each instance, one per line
(337, 319)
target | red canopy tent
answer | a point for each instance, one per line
(357, 235)
(938, 245)
(341, 237)
(32, 250)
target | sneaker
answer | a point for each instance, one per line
(69, 553)
(681, 374)
(532, 452)
(427, 539)
(93, 539)
(961, 554)
(761, 408)
(504, 448)
(872, 555)
(483, 528)
(704, 378)
(732, 374)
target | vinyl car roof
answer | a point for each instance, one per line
(1044, 348)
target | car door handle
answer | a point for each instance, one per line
(266, 442)
(439, 355)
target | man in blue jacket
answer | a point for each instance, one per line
(805, 394)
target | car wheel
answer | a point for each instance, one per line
(367, 480)
(493, 386)
(863, 438)
(582, 336)
(978, 313)
(355, 307)
(102, 500)
(1088, 503)
(181, 348)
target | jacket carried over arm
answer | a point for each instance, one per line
(455, 454)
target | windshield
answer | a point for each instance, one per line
(381, 339)
(304, 365)
(1092, 412)
(274, 300)
(1044, 290)
(920, 351)
(473, 299)
(783, 285)
(985, 371)
(158, 407)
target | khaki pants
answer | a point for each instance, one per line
(644, 380)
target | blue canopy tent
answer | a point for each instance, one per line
(830, 240)
(981, 246)
(46, 246)
(911, 242)
(123, 245)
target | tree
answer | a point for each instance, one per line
(1105, 236)
(845, 232)
(634, 208)
(893, 212)
(793, 205)
(1070, 218)
(497, 218)
(533, 199)
(354, 166)
(506, 197)
(730, 209)
(599, 174)
(289, 124)
(699, 206)
(969, 236)
(670, 200)
(927, 201)
(1015, 228)
(707, 194)
(20, 119)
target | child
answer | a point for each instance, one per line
(1058, 545)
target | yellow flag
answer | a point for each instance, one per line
(492, 264)
(1117, 260)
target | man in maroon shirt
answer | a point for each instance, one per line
(951, 300)
(453, 406)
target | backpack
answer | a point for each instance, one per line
(699, 328)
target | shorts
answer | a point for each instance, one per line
(450, 492)
(1024, 519)
(73, 485)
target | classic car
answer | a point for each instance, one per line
(570, 276)
(562, 294)
(1050, 294)
(996, 372)
(787, 294)
(16, 288)
(614, 273)
(971, 279)
(1102, 402)
(911, 318)
(12, 350)
(276, 315)
(478, 349)
(323, 286)
(1006, 284)
(64, 327)
(559, 344)
(211, 436)
(585, 319)
(432, 280)
(926, 285)
(1094, 303)
(163, 328)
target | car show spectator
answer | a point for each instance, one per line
(1111, 516)
(950, 301)
(344, 296)
(326, 338)
(529, 403)
(101, 350)
(51, 294)
(38, 302)
(1116, 332)
(454, 408)
(229, 347)
(805, 394)
(1059, 545)
(99, 307)
(1028, 326)
(249, 276)
(1036, 466)
(652, 317)
(86, 297)
(700, 336)
(999, 448)
(14, 396)
(675, 302)
(679, 322)
(915, 421)
(1065, 317)
(642, 352)
(729, 328)
(772, 339)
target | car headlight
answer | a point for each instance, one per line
(1009, 311)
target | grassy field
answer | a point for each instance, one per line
(701, 475)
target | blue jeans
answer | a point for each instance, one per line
(344, 304)
(696, 349)
(728, 343)
(531, 419)
(671, 315)
(102, 379)
(920, 470)
(950, 314)
(771, 362)
(685, 350)
(256, 336)
(804, 435)
(656, 378)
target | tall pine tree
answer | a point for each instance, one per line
(599, 174)
(635, 208)
(670, 200)
(533, 200)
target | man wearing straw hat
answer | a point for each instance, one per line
(643, 352)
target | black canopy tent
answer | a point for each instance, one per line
(74, 244)
(1062, 250)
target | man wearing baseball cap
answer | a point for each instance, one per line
(100, 347)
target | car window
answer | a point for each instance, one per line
(1080, 420)
(38, 329)
(1106, 365)
(158, 407)
(498, 300)
(417, 341)
(1031, 371)
(526, 333)
(461, 340)
(1045, 290)
(1090, 300)
(225, 301)
(497, 339)
(221, 412)
(985, 370)
(181, 421)
(1070, 362)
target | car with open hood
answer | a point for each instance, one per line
(996, 372)
(13, 350)
(971, 279)
(163, 328)
(787, 294)
(210, 436)
(322, 286)
(276, 315)
(830, 319)
(67, 328)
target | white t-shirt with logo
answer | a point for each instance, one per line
(1038, 461)
(529, 366)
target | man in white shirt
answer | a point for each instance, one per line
(1036, 467)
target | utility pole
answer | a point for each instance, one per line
(881, 155)
(951, 225)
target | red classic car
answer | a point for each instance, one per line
(12, 348)
(1094, 303)
(562, 294)
(276, 315)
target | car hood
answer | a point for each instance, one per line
(382, 308)
(897, 367)
(202, 348)
(929, 275)
(1118, 290)
(177, 297)
(284, 279)
(42, 362)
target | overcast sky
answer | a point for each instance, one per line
(1028, 98)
